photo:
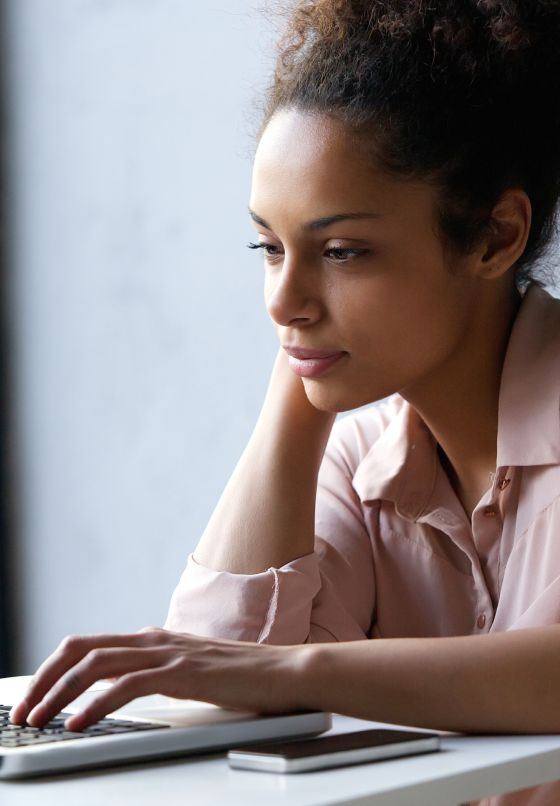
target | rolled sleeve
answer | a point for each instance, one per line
(273, 607)
(325, 596)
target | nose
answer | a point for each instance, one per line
(293, 296)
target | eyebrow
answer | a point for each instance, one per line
(318, 223)
(324, 223)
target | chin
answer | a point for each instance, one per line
(337, 398)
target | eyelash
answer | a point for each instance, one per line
(349, 253)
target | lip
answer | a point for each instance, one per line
(312, 363)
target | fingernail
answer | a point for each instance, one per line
(37, 716)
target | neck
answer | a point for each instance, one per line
(459, 400)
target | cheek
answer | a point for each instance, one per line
(395, 335)
(411, 317)
(423, 314)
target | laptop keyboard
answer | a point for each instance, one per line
(54, 731)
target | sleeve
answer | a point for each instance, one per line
(325, 596)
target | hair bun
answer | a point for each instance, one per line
(514, 39)
(463, 90)
(520, 24)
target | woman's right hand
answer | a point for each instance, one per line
(233, 674)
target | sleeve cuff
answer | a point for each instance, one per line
(272, 608)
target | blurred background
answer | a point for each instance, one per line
(136, 348)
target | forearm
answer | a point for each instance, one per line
(265, 517)
(499, 683)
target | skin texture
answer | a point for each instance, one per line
(501, 683)
(376, 285)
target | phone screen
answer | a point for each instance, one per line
(337, 743)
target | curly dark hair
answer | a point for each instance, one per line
(464, 94)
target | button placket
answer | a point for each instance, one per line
(487, 531)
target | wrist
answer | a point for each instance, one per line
(290, 415)
(302, 679)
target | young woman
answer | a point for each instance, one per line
(405, 189)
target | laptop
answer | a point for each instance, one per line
(147, 728)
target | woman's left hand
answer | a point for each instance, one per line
(243, 676)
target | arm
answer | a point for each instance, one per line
(253, 527)
(498, 683)
(325, 596)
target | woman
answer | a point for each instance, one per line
(405, 187)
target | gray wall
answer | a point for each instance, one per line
(141, 342)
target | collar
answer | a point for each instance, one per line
(401, 465)
(529, 413)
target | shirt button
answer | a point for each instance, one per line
(503, 483)
(481, 621)
(489, 512)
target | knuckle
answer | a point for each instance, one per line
(96, 657)
(152, 630)
(153, 634)
(71, 643)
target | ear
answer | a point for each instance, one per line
(507, 237)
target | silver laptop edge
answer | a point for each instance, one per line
(21, 762)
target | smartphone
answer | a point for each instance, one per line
(338, 750)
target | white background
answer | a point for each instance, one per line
(142, 347)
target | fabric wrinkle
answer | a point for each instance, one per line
(392, 536)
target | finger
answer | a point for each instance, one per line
(127, 688)
(69, 652)
(154, 634)
(98, 664)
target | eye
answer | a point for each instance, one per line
(270, 251)
(342, 255)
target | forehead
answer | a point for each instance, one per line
(315, 166)
(300, 136)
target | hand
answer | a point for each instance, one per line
(243, 676)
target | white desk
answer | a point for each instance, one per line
(466, 769)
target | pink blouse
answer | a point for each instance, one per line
(395, 554)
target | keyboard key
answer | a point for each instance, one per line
(15, 736)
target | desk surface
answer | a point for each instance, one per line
(466, 769)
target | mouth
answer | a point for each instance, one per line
(312, 363)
